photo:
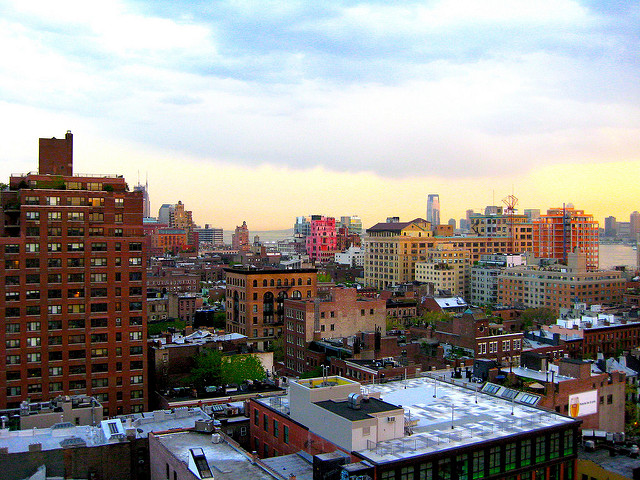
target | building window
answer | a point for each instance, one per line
(554, 445)
(462, 467)
(510, 457)
(406, 473)
(275, 428)
(494, 460)
(540, 450)
(265, 422)
(568, 442)
(256, 417)
(478, 464)
(285, 434)
(444, 469)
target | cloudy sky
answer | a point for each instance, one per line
(261, 110)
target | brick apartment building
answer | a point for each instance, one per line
(73, 285)
(590, 333)
(559, 286)
(339, 314)
(563, 230)
(255, 300)
(574, 378)
(472, 331)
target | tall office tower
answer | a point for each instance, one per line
(433, 209)
(208, 234)
(72, 286)
(164, 214)
(634, 224)
(352, 223)
(182, 219)
(610, 227)
(145, 198)
(563, 230)
(302, 227)
(240, 239)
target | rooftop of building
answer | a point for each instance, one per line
(541, 376)
(344, 410)
(434, 406)
(198, 337)
(299, 464)
(620, 464)
(225, 461)
(65, 435)
(450, 302)
(393, 226)
(253, 270)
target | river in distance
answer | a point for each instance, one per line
(613, 255)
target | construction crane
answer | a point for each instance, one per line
(510, 203)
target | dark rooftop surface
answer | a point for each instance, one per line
(620, 464)
(392, 226)
(344, 410)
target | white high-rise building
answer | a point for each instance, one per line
(433, 209)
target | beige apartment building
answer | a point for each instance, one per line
(447, 268)
(392, 249)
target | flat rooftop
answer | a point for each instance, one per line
(452, 406)
(432, 407)
(225, 462)
(67, 434)
(620, 464)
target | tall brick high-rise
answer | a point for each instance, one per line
(563, 230)
(72, 286)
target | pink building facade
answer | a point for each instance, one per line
(322, 242)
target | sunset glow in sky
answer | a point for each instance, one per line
(262, 111)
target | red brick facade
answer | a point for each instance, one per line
(73, 285)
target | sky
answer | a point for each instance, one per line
(260, 111)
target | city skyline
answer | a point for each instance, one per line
(263, 115)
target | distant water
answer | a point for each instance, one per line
(613, 255)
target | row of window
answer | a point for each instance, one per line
(275, 426)
(75, 385)
(73, 201)
(72, 247)
(13, 375)
(71, 293)
(35, 278)
(16, 312)
(490, 461)
(71, 339)
(71, 354)
(35, 326)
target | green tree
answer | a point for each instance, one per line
(533, 317)
(208, 370)
(277, 347)
(324, 278)
(237, 369)
(219, 320)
